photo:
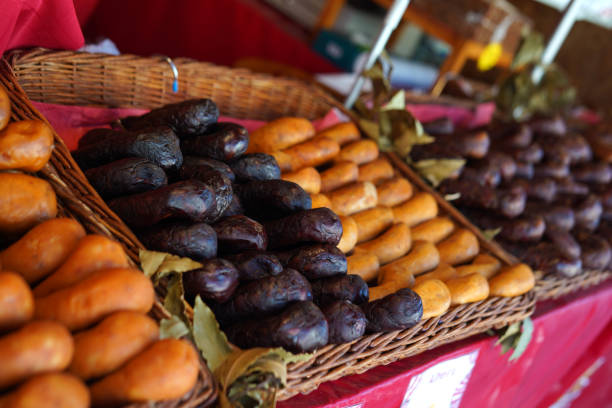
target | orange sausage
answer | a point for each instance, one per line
(391, 245)
(37, 347)
(310, 153)
(421, 207)
(342, 133)
(280, 134)
(43, 249)
(100, 294)
(364, 264)
(394, 191)
(167, 369)
(370, 223)
(24, 202)
(16, 301)
(360, 152)
(434, 230)
(308, 178)
(460, 247)
(5, 109)
(319, 201)
(354, 198)
(52, 390)
(349, 234)
(339, 175)
(375, 171)
(107, 346)
(25, 145)
(93, 253)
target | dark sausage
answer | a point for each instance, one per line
(345, 321)
(301, 328)
(596, 173)
(220, 184)
(227, 141)
(564, 242)
(316, 261)
(239, 233)
(347, 287)
(186, 200)
(189, 161)
(256, 264)
(398, 311)
(159, 145)
(186, 118)
(320, 225)
(547, 258)
(264, 296)
(216, 280)
(272, 198)
(596, 252)
(196, 241)
(255, 166)
(125, 177)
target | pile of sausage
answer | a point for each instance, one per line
(272, 272)
(73, 323)
(541, 182)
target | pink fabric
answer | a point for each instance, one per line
(461, 117)
(44, 23)
(72, 122)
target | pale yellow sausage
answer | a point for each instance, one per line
(422, 258)
(434, 230)
(443, 272)
(484, 264)
(342, 133)
(320, 200)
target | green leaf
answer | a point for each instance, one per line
(523, 340)
(489, 234)
(513, 329)
(397, 102)
(173, 328)
(437, 170)
(150, 261)
(507, 344)
(370, 128)
(174, 300)
(208, 337)
(159, 264)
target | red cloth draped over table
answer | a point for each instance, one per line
(569, 336)
(43, 23)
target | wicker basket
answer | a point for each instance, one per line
(552, 287)
(129, 81)
(77, 199)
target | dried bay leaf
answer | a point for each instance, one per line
(437, 170)
(208, 337)
(523, 340)
(173, 328)
(490, 234)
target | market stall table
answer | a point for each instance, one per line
(474, 373)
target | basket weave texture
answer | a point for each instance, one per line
(77, 199)
(128, 81)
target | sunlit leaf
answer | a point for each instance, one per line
(173, 328)
(208, 337)
(437, 170)
(489, 234)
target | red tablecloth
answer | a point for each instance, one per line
(44, 23)
(565, 330)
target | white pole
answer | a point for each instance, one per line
(557, 39)
(392, 19)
